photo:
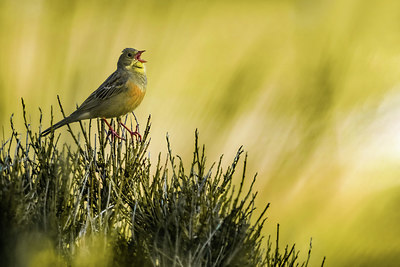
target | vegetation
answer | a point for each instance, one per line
(97, 203)
(311, 89)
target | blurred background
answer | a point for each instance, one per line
(311, 89)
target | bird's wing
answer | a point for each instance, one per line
(114, 85)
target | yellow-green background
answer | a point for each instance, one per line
(310, 88)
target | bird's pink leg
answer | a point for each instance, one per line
(135, 133)
(113, 133)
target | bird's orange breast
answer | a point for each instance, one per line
(134, 95)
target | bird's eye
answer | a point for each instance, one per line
(129, 54)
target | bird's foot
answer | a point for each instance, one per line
(133, 133)
(113, 133)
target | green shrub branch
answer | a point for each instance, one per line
(100, 195)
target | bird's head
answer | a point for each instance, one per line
(130, 60)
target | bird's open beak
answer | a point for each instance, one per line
(137, 56)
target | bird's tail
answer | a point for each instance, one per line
(58, 125)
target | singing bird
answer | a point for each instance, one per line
(118, 95)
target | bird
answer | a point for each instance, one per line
(118, 95)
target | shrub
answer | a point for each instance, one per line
(96, 202)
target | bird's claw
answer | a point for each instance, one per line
(111, 130)
(114, 134)
(133, 133)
